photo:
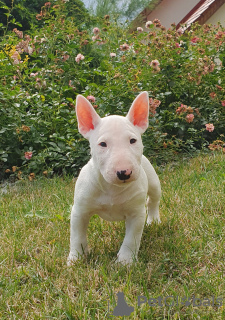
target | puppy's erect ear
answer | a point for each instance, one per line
(139, 110)
(87, 118)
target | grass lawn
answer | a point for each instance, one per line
(181, 261)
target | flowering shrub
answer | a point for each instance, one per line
(43, 71)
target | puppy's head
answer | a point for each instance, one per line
(115, 141)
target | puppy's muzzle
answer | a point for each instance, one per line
(124, 174)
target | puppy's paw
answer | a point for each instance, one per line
(71, 259)
(126, 259)
(151, 219)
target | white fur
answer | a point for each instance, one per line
(117, 180)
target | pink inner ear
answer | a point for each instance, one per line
(85, 120)
(139, 111)
(86, 115)
(140, 116)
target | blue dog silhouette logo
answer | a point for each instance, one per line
(122, 308)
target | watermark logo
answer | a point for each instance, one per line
(123, 309)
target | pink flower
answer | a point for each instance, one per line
(16, 57)
(112, 54)
(181, 109)
(96, 30)
(195, 40)
(94, 38)
(223, 103)
(65, 57)
(71, 85)
(18, 33)
(148, 24)
(219, 35)
(190, 117)
(209, 127)
(33, 74)
(79, 57)
(140, 29)
(28, 155)
(153, 104)
(91, 98)
(177, 45)
(154, 63)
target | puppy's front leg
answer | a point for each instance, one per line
(131, 243)
(78, 234)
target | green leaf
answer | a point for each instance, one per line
(4, 7)
(58, 216)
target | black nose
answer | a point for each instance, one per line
(122, 175)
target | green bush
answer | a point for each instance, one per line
(43, 71)
(24, 12)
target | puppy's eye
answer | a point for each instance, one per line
(132, 141)
(103, 144)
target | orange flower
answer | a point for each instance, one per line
(25, 128)
(48, 4)
(219, 87)
(124, 47)
(31, 176)
(45, 173)
(19, 175)
(212, 95)
(39, 16)
(189, 109)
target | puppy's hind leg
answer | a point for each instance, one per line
(154, 192)
(152, 211)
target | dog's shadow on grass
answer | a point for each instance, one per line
(106, 238)
(154, 239)
(164, 247)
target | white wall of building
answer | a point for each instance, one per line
(219, 16)
(169, 11)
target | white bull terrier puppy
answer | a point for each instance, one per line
(117, 180)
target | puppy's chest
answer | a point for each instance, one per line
(112, 212)
(117, 208)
